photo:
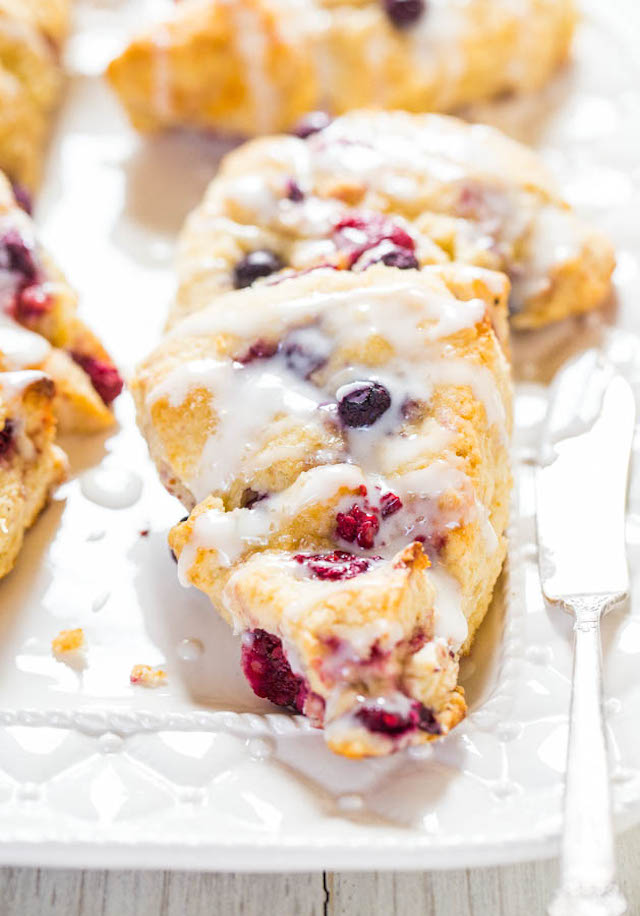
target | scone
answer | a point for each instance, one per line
(40, 329)
(30, 464)
(344, 437)
(31, 37)
(401, 189)
(257, 66)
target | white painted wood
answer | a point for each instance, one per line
(520, 890)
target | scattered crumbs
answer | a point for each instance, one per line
(70, 647)
(147, 676)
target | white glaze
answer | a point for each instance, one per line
(247, 398)
(450, 622)
(112, 487)
(13, 384)
(19, 347)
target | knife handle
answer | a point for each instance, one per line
(588, 859)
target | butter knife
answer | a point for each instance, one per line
(581, 498)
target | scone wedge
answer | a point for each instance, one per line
(32, 33)
(344, 440)
(257, 66)
(31, 465)
(40, 327)
(404, 190)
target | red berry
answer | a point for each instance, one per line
(334, 566)
(105, 378)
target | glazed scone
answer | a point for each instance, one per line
(257, 66)
(31, 37)
(31, 465)
(40, 329)
(345, 438)
(403, 189)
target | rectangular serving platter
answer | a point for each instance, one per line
(200, 773)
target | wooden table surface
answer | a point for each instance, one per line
(520, 890)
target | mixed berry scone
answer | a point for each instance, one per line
(30, 464)
(257, 66)
(31, 37)
(40, 328)
(406, 190)
(344, 439)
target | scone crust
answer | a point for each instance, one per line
(462, 192)
(256, 66)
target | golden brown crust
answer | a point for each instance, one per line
(464, 193)
(31, 35)
(31, 465)
(75, 359)
(256, 66)
(254, 544)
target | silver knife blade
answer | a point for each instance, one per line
(582, 483)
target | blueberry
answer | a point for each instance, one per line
(400, 258)
(294, 191)
(312, 123)
(260, 263)
(404, 13)
(364, 405)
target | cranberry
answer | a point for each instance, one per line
(364, 404)
(6, 437)
(389, 504)
(377, 719)
(404, 13)
(261, 349)
(17, 257)
(334, 566)
(32, 303)
(105, 378)
(359, 526)
(400, 258)
(311, 123)
(360, 232)
(294, 191)
(419, 717)
(266, 668)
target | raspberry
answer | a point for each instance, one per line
(389, 504)
(359, 233)
(356, 525)
(335, 566)
(266, 668)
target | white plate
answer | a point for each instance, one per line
(201, 774)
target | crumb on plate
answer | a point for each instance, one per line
(69, 646)
(147, 676)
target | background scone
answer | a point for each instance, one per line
(347, 438)
(31, 36)
(257, 66)
(401, 189)
(40, 328)
(30, 464)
